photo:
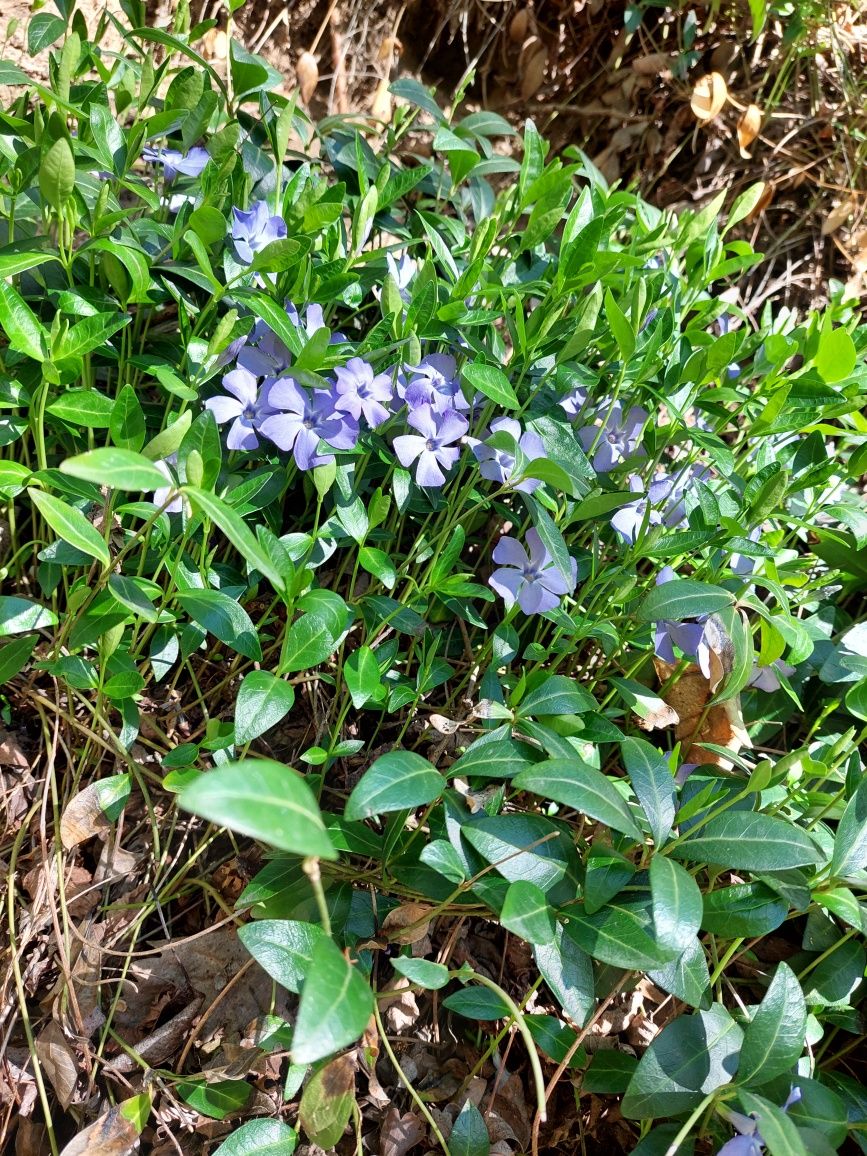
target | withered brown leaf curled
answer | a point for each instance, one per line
(722, 725)
(307, 75)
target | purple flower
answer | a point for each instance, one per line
(162, 495)
(434, 382)
(529, 576)
(689, 637)
(402, 269)
(174, 161)
(254, 229)
(498, 465)
(263, 353)
(617, 439)
(307, 420)
(750, 1142)
(360, 392)
(574, 401)
(432, 445)
(664, 504)
(246, 408)
(767, 678)
(742, 564)
(314, 320)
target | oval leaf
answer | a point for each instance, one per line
(336, 1003)
(575, 783)
(397, 781)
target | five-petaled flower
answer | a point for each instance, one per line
(434, 382)
(359, 392)
(750, 1142)
(254, 229)
(307, 419)
(246, 408)
(433, 445)
(616, 439)
(529, 576)
(498, 465)
(696, 639)
(174, 161)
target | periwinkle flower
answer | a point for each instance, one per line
(529, 576)
(314, 320)
(254, 229)
(663, 505)
(694, 638)
(767, 678)
(161, 496)
(174, 161)
(306, 419)
(263, 353)
(574, 402)
(617, 439)
(433, 446)
(498, 465)
(750, 1142)
(246, 408)
(361, 392)
(402, 269)
(434, 382)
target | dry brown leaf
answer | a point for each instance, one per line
(387, 49)
(407, 923)
(381, 105)
(110, 1135)
(653, 64)
(59, 1062)
(708, 97)
(399, 1133)
(519, 26)
(11, 754)
(83, 818)
(749, 127)
(762, 203)
(722, 725)
(532, 65)
(215, 44)
(307, 75)
(837, 217)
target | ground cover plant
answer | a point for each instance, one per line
(432, 521)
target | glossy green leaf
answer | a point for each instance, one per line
(779, 1133)
(15, 655)
(526, 913)
(774, 1037)
(682, 598)
(397, 781)
(748, 841)
(424, 972)
(836, 355)
(236, 530)
(24, 332)
(118, 469)
(223, 617)
(83, 407)
(309, 640)
(575, 783)
(621, 934)
(336, 1003)
(568, 972)
(686, 978)
(263, 701)
(263, 799)
(260, 1138)
(327, 1102)
(653, 784)
(217, 1100)
(19, 615)
(283, 947)
(492, 382)
(57, 174)
(469, 1134)
(71, 525)
(677, 904)
(477, 1003)
(850, 845)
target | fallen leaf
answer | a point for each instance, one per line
(399, 1133)
(307, 75)
(519, 26)
(111, 1135)
(532, 65)
(723, 724)
(837, 217)
(749, 127)
(58, 1061)
(762, 203)
(407, 924)
(11, 754)
(83, 818)
(708, 96)
(381, 105)
(653, 64)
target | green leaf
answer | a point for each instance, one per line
(522, 846)
(779, 1133)
(677, 904)
(19, 615)
(327, 1102)
(362, 676)
(748, 841)
(24, 332)
(378, 563)
(15, 655)
(692, 1056)
(83, 407)
(552, 540)
(653, 784)
(11, 74)
(263, 799)
(575, 783)
(568, 972)
(57, 174)
(90, 333)
(775, 1036)
(686, 978)
(492, 382)
(127, 424)
(469, 1134)
(23, 255)
(682, 598)
(130, 594)
(836, 355)
(283, 947)
(237, 531)
(336, 1003)
(424, 972)
(850, 845)
(556, 695)
(263, 700)
(477, 1003)
(526, 913)
(397, 781)
(118, 469)
(71, 525)
(217, 1100)
(497, 759)
(225, 618)
(309, 641)
(620, 326)
(745, 910)
(260, 1138)
(42, 31)
(620, 934)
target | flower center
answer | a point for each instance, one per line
(249, 413)
(432, 444)
(310, 423)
